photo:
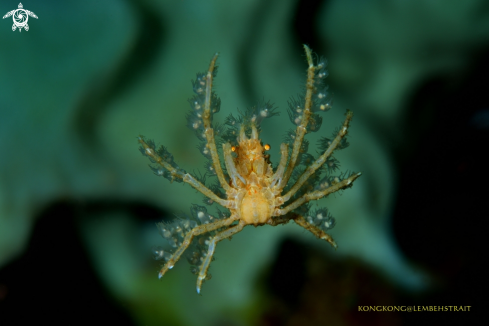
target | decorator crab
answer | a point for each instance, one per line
(250, 190)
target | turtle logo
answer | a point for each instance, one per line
(20, 17)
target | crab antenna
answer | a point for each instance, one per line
(254, 132)
(242, 134)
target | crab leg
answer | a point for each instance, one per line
(212, 247)
(230, 166)
(209, 131)
(300, 220)
(279, 173)
(321, 160)
(317, 195)
(301, 129)
(186, 177)
(198, 230)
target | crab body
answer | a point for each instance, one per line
(252, 192)
(257, 197)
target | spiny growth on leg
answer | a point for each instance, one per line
(247, 187)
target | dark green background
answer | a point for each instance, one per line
(78, 203)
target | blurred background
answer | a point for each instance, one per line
(78, 203)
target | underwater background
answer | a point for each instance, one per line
(78, 203)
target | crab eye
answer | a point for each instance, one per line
(233, 148)
(267, 147)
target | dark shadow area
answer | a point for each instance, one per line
(307, 287)
(145, 51)
(440, 218)
(53, 282)
(305, 24)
